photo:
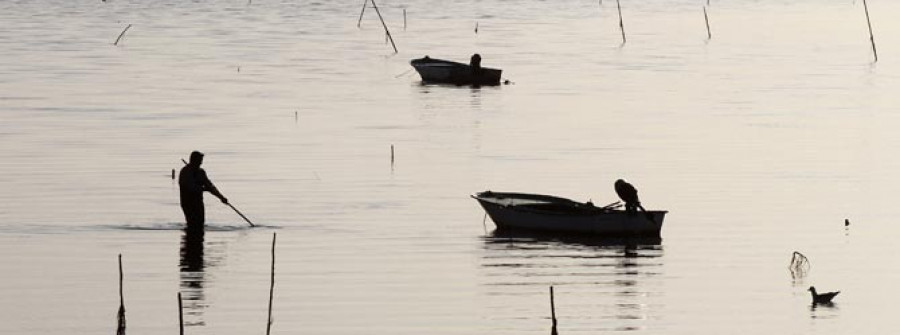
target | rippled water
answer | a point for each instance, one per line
(759, 141)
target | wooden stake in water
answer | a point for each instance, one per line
(271, 286)
(706, 18)
(392, 154)
(180, 316)
(358, 23)
(120, 316)
(871, 37)
(404, 19)
(621, 24)
(388, 32)
(121, 34)
(552, 312)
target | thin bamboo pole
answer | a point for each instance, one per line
(180, 316)
(120, 316)
(358, 23)
(621, 24)
(871, 36)
(271, 286)
(706, 18)
(385, 26)
(552, 312)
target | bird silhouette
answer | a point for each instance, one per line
(824, 298)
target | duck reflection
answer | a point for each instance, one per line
(192, 266)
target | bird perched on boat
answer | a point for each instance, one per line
(628, 194)
(824, 298)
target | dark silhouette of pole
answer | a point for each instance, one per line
(271, 286)
(120, 316)
(871, 37)
(358, 23)
(241, 214)
(180, 316)
(706, 18)
(552, 313)
(621, 24)
(385, 26)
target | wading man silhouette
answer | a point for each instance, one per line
(192, 182)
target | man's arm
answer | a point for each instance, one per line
(208, 186)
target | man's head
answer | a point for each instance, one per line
(196, 158)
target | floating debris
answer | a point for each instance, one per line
(121, 34)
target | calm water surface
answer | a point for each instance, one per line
(759, 142)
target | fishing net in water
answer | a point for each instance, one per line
(799, 265)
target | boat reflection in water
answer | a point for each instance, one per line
(602, 284)
(192, 267)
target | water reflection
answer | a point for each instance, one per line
(823, 311)
(192, 266)
(605, 283)
(630, 246)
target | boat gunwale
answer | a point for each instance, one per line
(576, 208)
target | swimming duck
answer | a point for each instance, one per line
(824, 298)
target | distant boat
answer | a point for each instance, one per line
(434, 70)
(537, 212)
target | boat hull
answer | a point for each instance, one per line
(447, 72)
(535, 212)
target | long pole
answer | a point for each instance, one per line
(706, 18)
(552, 312)
(241, 214)
(358, 23)
(385, 26)
(121, 279)
(871, 37)
(180, 316)
(271, 286)
(621, 24)
(120, 317)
